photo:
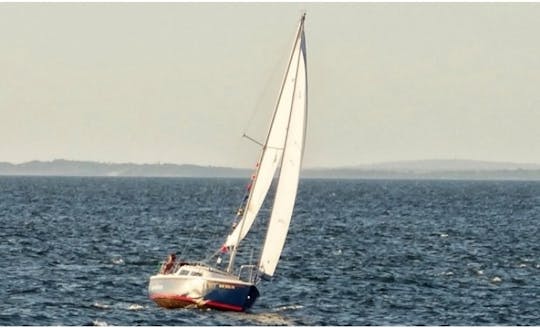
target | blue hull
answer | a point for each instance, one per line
(231, 297)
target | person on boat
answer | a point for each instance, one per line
(168, 266)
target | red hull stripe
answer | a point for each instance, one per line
(172, 297)
(223, 306)
(212, 304)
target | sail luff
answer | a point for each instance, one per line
(270, 157)
(290, 171)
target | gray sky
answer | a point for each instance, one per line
(181, 82)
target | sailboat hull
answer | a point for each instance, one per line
(210, 290)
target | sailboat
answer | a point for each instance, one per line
(202, 285)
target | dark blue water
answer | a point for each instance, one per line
(79, 251)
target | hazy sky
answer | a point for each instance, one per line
(181, 82)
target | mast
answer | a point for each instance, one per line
(268, 164)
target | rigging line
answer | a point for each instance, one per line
(245, 203)
(260, 143)
(270, 81)
(241, 208)
(224, 220)
(252, 139)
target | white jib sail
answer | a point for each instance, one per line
(290, 171)
(272, 153)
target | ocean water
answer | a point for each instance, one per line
(79, 251)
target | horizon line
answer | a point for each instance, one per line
(343, 166)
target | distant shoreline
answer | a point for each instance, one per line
(420, 170)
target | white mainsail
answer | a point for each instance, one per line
(290, 167)
(273, 149)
